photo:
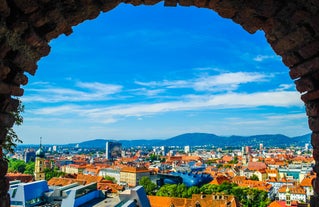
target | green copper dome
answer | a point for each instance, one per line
(39, 153)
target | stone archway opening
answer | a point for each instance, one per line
(27, 26)
(163, 62)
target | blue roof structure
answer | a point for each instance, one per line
(187, 178)
(28, 194)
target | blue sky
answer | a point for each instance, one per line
(157, 72)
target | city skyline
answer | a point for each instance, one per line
(157, 72)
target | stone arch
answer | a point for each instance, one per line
(26, 27)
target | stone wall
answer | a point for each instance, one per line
(26, 27)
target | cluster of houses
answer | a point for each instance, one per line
(285, 174)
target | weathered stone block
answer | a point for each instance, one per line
(20, 78)
(287, 11)
(26, 6)
(4, 185)
(316, 167)
(5, 200)
(19, 27)
(4, 71)
(172, 3)
(134, 2)
(38, 18)
(4, 8)
(299, 17)
(33, 39)
(305, 68)
(315, 185)
(313, 124)
(315, 155)
(6, 120)
(310, 96)
(263, 8)
(315, 142)
(309, 50)
(10, 89)
(305, 84)
(9, 104)
(4, 48)
(314, 201)
(248, 20)
(25, 63)
(227, 12)
(226, 9)
(275, 29)
(3, 167)
(186, 2)
(312, 108)
(291, 59)
(293, 40)
(108, 5)
(314, 23)
(3, 133)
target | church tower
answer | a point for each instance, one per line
(288, 197)
(39, 164)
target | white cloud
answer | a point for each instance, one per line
(288, 116)
(148, 92)
(260, 58)
(187, 103)
(165, 83)
(221, 82)
(84, 92)
(283, 87)
(226, 81)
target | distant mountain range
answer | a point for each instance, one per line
(200, 139)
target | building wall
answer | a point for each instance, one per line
(294, 197)
(132, 178)
(110, 172)
(39, 169)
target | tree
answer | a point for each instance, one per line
(154, 157)
(50, 173)
(29, 169)
(209, 189)
(192, 190)
(110, 178)
(165, 190)
(246, 196)
(148, 185)
(15, 165)
(181, 191)
(254, 177)
(12, 138)
(234, 161)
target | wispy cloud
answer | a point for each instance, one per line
(221, 82)
(288, 116)
(284, 87)
(260, 58)
(82, 92)
(226, 81)
(187, 103)
(147, 92)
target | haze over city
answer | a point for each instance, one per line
(155, 72)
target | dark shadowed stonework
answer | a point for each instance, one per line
(26, 26)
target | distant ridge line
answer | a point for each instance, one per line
(201, 139)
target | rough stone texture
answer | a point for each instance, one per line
(312, 108)
(26, 27)
(315, 144)
(3, 167)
